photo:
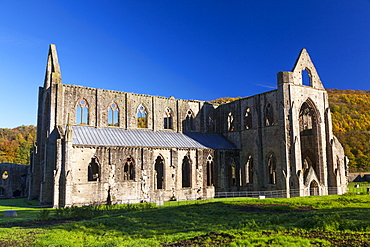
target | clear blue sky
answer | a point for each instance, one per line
(187, 49)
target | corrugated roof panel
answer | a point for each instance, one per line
(84, 135)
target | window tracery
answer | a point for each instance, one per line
(113, 114)
(82, 112)
(189, 121)
(142, 119)
(168, 119)
(129, 169)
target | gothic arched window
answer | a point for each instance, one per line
(159, 173)
(93, 170)
(113, 113)
(209, 171)
(129, 169)
(249, 170)
(189, 121)
(186, 172)
(230, 122)
(248, 118)
(168, 119)
(82, 112)
(142, 119)
(269, 115)
(271, 163)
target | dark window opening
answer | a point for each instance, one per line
(186, 172)
(249, 170)
(248, 118)
(269, 115)
(168, 119)
(93, 170)
(209, 171)
(230, 122)
(129, 169)
(189, 121)
(271, 163)
(159, 173)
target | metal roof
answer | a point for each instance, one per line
(84, 135)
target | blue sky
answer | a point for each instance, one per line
(187, 49)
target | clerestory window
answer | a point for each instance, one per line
(113, 113)
(142, 117)
(82, 112)
(168, 119)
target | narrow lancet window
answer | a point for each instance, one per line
(232, 173)
(93, 170)
(249, 170)
(168, 119)
(271, 163)
(159, 173)
(82, 112)
(186, 172)
(113, 114)
(248, 118)
(209, 171)
(142, 119)
(269, 115)
(230, 122)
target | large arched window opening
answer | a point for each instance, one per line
(113, 115)
(271, 163)
(93, 170)
(269, 115)
(209, 171)
(249, 169)
(129, 169)
(142, 118)
(189, 121)
(159, 173)
(309, 140)
(248, 118)
(186, 172)
(306, 77)
(168, 119)
(82, 112)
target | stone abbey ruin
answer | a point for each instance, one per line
(96, 145)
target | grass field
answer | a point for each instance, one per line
(302, 221)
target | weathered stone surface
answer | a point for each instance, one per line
(283, 138)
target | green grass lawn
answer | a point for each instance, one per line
(302, 221)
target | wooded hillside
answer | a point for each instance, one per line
(15, 144)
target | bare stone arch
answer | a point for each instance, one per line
(168, 118)
(129, 168)
(159, 172)
(93, 173)
(209, 171)
(186, 171)
(188, 124)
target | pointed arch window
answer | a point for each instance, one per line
(249, 169)
(189, 121)
(93, 170)
(113, 114)
(230, 122)
(159, 173)
(168, 119)
(129, 169)
(209, 171)
(82, 112)
(305, 119)
(232, 172)
(269, 115)
(306, 77)
(248, 118)
(271, 163)
(186, 172)
(211, 123)
(142, 117)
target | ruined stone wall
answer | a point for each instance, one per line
(14, 180)
(112, 185)
(99, 100)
